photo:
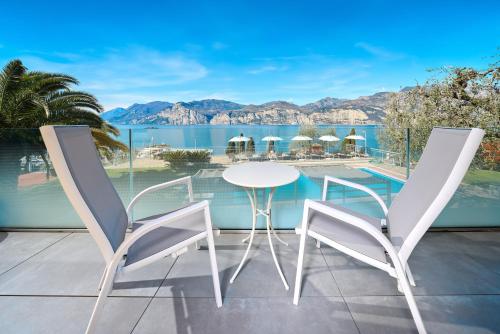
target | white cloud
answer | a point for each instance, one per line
(379, 52)
(267, 68)
(119, 72)
(219, 46)
(304, 57)
(336, 79)
(123, 69)
(124, 100)
(224, 95)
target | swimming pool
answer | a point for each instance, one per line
(231, 209)
(397, 184)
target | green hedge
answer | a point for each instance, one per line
(182, 157)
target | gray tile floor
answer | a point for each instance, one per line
(48, 284)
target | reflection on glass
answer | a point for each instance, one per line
(31, 196)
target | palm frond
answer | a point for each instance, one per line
(103, 140)
(9, 80)
(75, 99)
(44, 77)
(76, 116)
(110, 128)
(32, 99)
(25, 108)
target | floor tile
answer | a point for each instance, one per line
(441, 314)
(191, 277)
(47, 315)
(74, 266)
(247, 315)
(483, 247)
(144, 281)
(355, 278)
(71, 267)
(447, 263)
(381, 314)
(473, 314)
(53, 285)
(16, 247)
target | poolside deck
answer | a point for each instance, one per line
(48, 284)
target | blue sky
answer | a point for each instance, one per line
(247, 51)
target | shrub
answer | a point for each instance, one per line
(200, 156)
(175, 158)
(178, 158)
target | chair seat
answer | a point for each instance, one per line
(164, 237)
(347, 235)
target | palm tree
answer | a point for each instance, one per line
(30, 99)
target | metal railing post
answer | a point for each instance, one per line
(407, 153)
(130, 167)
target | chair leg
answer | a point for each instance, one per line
(215, 271)
(410, 275)
(318, 244)
(102, 279)
(213, 259)
(300, 263)
(105, 287)
(410, 299)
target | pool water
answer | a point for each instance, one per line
(232, 211)
(396, 184)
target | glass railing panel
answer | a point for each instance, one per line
(117, 165)
(161, 154)
(385, 186)
(30, 193)
(31, 197)
(476, 202)
(389, 157)
(151, 151)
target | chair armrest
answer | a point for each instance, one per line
(184, 180)
(367, 190)
(155, 224)
(361, 224)
(152, 225)
(348, 219)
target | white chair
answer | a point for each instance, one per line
(85, 182)
(441, 168)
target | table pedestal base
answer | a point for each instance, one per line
(269, 227)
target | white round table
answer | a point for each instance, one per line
(261, 175)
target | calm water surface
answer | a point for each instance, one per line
(215, 137)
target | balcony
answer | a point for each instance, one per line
(48, 284)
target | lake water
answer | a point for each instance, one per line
(215, 137)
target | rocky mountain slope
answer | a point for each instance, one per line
(365, 109)
(136, 113)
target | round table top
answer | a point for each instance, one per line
(260, 174)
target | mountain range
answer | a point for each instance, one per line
(363, 110)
